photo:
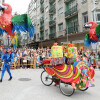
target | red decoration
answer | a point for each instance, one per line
(71, 45)
(5, 20)
(92, 33)
(47, 61)
(63, 47)
(82, 48)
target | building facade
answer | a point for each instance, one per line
(1, 1)
(62, 21)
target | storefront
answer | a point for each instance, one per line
(78, 43)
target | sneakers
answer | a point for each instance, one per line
(10, 79)
(1, 80)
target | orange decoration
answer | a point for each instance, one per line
(63, 47)
(82, 48)
(71, 45)
(55, 44)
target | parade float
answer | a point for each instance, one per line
(10, 24)
(94, 34)
(75, 75)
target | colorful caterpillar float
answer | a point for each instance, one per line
(80, 74)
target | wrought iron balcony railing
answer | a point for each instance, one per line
(42, 8)
(51, 1)
(41, 37)
(52, 22)
(71, 11)
(52, 35)
(42, 27)
(41, 1)
(42, 19)
(52, 9)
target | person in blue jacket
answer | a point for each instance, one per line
(8, 58)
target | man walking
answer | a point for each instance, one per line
(8, 58)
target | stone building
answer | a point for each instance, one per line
(62, 21)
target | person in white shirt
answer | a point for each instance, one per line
(25, 52)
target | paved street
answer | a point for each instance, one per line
(35, 90)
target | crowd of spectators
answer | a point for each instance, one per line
(35, 57)
(92, 57)
(28, 56)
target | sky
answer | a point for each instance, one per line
(20, 6)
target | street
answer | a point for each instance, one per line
(26, 85)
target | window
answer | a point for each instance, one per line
(46, 33)
(59, 1)
(98, 17)
(85, 19)
(60, 27)
(84, 1)
(38, 36)
(60, 11)
(46, 19)
(72, 4)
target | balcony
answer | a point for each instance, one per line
(52, 22)
(41, 36)
(51, 1)
(42, 8)
(52, 9)
(41, 1)
(72, 29)
(71, 12)
(52, 35)
(66, 1)
(42, 28)
(42, 19)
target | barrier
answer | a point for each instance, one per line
(25, 61)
